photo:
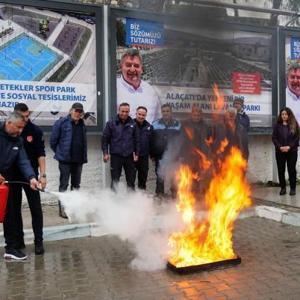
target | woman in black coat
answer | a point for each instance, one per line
(285, 137)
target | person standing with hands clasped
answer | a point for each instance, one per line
(145, 131)
(285, 137)
(121, 145)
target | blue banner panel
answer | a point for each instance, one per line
(140, 32)
(295, 48)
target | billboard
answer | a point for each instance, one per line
(295, 47)
(48, 62)
(292, 90)
(140, 32)
(182, 69)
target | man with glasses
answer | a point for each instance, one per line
(69, 143)
(133, 90)
(35, 149)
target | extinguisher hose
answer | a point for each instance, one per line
(16, 182)
(23, 182)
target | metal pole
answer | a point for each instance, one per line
(106, 66)
(274, 164)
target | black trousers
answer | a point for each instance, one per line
(142, 167)
(160, 183)
(13, 225)
(10, 221)
(34, 201)
(66, 170)
(118, 162)
(289, 159)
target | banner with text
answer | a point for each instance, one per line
(182, 100)
(48, 97)
(292, 60)
(295, 48)
(190, 62)
(139, 32)
(48, 62)
(246, 83)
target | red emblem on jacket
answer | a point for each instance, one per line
(29, 138)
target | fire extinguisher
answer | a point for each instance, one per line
(3, 200)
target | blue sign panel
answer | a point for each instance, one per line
(295, 48)
(140, 32)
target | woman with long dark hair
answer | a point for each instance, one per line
(285, 137)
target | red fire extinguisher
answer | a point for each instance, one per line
(3, 200)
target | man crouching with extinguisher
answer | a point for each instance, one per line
(13, 156)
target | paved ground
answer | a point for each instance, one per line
(97, 268)
(271, 194)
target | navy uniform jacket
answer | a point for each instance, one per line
(120, 138)
(12, 155)
(163, 134)
(200, 133)
(243, 120)
(145, 131)
(243, 125)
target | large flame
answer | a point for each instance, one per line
(204, 163)
(210, 240)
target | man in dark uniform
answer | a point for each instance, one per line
(35, 149)
(243, 125)
(120, 144)
(13, 156)
(145, 130)
(195, 148)
(165, 133)
(195, 133)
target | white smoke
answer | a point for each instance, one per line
(132, 216)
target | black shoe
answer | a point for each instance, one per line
(14, 254)
(39, 249)
(293, 192)
(61, 213)
(282, 191)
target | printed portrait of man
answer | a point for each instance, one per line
(293, 87)
(133, 90)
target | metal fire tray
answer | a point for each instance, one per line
(205, 267)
